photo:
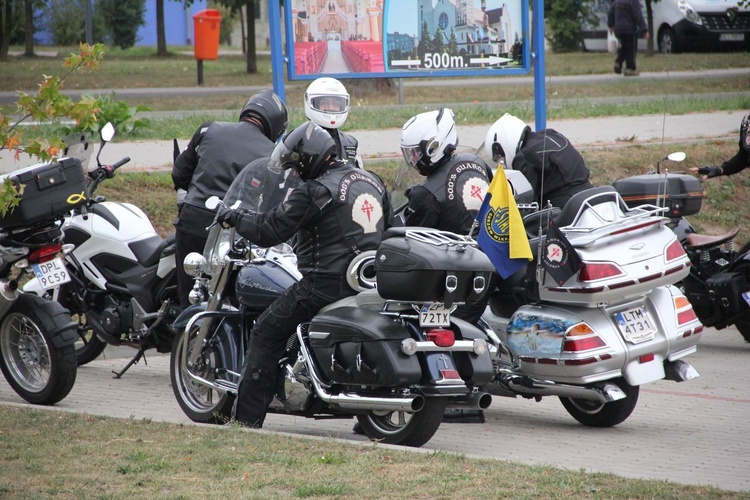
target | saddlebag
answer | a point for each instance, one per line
(417, 271)
(725, 290)
(681, 194)
(356, 346)
(50, 191)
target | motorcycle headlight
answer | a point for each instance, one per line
(194, 264)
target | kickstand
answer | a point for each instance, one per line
(140, 354)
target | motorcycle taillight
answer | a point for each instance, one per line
(43, 254)
(674, 251)
(582, 337)
(593, 271)
(441, 337)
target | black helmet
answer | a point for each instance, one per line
(270, 111)
(308, 149)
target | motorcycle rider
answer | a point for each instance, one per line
(553, 167)
(735, 164)
(212, 159)
(448, 199)
(338, 212)
(327, 105)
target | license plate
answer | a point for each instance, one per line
(636, 325)
(732, 37)
(433, 315)
(52, 273)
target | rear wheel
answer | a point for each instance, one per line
(89, 346)
(37, 369)
(408, 429)
(667, 42)
(595, 414)
(200, 402)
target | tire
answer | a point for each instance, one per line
(667, 42)
(604, 414)
(200, 403)
(408, 429)
(743, 325)
(38, 370)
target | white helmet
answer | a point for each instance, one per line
(327, 103)
(427, 137)
(504, 138)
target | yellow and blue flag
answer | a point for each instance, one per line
(501, 233)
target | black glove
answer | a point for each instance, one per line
(710, 171)
(227, 217)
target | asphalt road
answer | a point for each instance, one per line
(693, 432)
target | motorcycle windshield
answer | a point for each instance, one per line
(255, 189)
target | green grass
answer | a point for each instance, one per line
(66, 455)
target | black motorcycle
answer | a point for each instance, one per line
(718, 286)
(393, 357)
(36, 336)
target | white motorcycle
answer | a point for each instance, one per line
(123, 286)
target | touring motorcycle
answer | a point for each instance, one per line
(718, 285)
(613, 326)
(391, 355)
(36, 336)
(123, 285)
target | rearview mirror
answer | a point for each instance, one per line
(108, 132)
(213, 202)
(678, 156)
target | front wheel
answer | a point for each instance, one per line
(37, 369)
(667, 42)
(200, 402)
(596, 414)
(408, 429)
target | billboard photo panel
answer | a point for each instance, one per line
(405, 38)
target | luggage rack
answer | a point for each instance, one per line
(441, 238)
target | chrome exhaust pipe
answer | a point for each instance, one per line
(525, 385)
(476, 401)
(679, 371)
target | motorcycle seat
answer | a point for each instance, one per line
(700, 241)
(148, 251)
(171, 246)
(594, 196)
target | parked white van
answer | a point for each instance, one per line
(681, 25)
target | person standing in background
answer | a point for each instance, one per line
(625, 20)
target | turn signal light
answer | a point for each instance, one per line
(441, 337)
(592, 271)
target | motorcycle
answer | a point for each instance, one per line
(123, 285)
(615, 325)
(37, 337)
(391, 356)
(718, 285)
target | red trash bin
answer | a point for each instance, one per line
(206, 26)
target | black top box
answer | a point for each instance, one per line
(50, 191)
(681, 194)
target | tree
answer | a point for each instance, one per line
(453, 44)
(161, 36)
(438, 41)
(123, 17)
(563, 23)
(425, 41)
(48, 104)
(6, 25)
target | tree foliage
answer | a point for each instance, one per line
(123, 17)
(48, 104)
(563, 23)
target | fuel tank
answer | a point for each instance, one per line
(260, 283)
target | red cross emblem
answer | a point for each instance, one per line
(367, 208)
(476, 192)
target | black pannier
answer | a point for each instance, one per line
(725, 290)
(681, 194)
(413, 270)
(50, 191)
(361, 347)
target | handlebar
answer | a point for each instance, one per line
(104, 172)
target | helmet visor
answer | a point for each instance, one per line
(412, 154)
(330, 103)
(275, 162)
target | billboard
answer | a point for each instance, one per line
(406, 38)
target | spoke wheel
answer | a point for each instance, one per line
(405, 428)
(199, 402)
(595, 414)
(38, 370)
